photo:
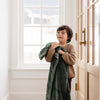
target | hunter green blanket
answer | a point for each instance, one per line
(57, 85)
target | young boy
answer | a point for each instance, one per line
(64, 36)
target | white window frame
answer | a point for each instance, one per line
(21, 35)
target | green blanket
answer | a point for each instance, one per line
(57, 85)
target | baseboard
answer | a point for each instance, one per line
(6, 97)
(27, 96)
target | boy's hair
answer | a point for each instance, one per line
(68, 30)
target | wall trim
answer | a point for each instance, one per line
(26, 93)
(29, 69)
(29, 74)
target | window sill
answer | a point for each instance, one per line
(32, 67)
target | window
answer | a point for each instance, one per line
(93, 31)
(40, 21)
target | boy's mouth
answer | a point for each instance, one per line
(59, 37)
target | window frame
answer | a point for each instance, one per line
(62, 16)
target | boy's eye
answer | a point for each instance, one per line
(61, 32)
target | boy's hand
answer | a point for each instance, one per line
(54, 45)
(61, 52)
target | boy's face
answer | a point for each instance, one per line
(62, 36)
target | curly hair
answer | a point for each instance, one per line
(68, 30)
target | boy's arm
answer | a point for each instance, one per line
(50, 54)
(70, 57)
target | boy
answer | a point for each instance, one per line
(64, 36)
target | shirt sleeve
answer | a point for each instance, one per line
(70, 56)
(50, 54)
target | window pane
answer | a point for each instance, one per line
(49, 35)
(97, 23)
(50, 16)
(32, 17)
(31, 54)
(83, 5)
(50, 2)
(90, 2)
(83, 47)
(32, 35)
(90, 35)
(79, 7)
(28, 3)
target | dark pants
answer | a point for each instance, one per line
(69, 80)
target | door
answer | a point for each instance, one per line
(88, 31)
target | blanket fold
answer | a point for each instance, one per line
(57, 84)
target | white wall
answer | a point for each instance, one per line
(4, 50)
(99, 60)
(14, 20)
